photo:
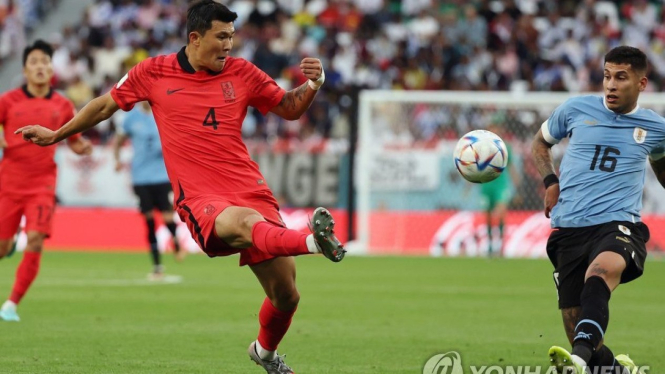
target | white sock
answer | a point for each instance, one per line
(311, 244)
(265, 354)
(9, 305)
(578, 360)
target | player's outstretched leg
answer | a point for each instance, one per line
(282, 242)
(564, 362)
(323, 229)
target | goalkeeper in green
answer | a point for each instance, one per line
(496, 197)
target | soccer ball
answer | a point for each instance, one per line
(480, 156)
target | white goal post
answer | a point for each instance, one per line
(404, 168)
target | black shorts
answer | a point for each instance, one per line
(572, 250)
(154, 196)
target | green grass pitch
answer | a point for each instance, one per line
(94, 313)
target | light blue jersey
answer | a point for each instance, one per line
(148, 161)
(602, 172)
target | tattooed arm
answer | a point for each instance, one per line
(297, 101)
(541, 151)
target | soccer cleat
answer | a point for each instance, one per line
(8, 313)
(157, 274)
(276, 366)
(563, 361)
(323, 228)
(628, 363)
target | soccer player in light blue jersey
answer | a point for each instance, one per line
(149, 177)
(598, 240)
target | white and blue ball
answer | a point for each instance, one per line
(481, 156)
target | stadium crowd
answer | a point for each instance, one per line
(541, 45)
(18, 18)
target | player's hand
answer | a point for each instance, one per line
(119, 166)
(3, 143)
(37, 134)
(311, 67)
(551, 198)
(81, 147)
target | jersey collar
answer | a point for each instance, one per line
(637, 107)
(186, 66)
(31, 96)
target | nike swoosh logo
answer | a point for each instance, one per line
(170, 91)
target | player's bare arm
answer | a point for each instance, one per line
(541, 151)
(297, 101)
(118, 141)
(93, 113)
(658, 167)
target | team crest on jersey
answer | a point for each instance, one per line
(229, 92)
(209, 209)
(639, 135)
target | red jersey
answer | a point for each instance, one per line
(199, 115)
(26, 168)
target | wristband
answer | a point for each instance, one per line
(315, 85)
(550, 180)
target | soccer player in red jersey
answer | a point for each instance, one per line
(199, 98)
(27, 173)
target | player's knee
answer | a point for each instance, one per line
(248, 220)
(148, 215)
(247, 223)
(35, 241)
(286, 299)
(610, 274)
(35, 245)
(234, 225)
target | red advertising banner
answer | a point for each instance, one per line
(436, 233)
(460, 233)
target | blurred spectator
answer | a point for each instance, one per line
(401, 44)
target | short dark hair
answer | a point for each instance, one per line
(628, 55)
(201, 14)
(37, 45)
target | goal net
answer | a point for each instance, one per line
(412, 200)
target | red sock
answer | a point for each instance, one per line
(25, 274)
(278, 241)
(274, 324)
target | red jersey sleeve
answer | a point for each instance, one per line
(68, 112)
(134, 86)
(265, 94)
